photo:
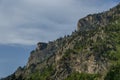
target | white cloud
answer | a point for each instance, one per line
(29, 21)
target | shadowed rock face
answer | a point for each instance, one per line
(41, 46)
(91, 50)
(43, 51)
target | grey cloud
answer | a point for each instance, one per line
(29, 21)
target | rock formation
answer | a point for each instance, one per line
(101, 19)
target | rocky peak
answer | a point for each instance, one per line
(102, 19)
(41, 46)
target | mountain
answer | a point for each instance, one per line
(92, 52)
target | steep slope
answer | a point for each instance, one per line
(90, 53)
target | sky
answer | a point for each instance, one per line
(24, 23)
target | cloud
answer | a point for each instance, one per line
(28, 21)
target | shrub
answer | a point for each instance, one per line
(82, 76)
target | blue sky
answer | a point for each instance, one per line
(12, 56)
(23, 23)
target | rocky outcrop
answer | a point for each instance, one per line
(95, 20)
(41, 46)
(42, 52)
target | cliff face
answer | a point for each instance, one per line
(92, 21)
(42, 52)
(90, 53)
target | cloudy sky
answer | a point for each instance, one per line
(23, 23)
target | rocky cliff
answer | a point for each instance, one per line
(90, 53)
(101, 19)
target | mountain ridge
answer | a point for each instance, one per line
(90, 53)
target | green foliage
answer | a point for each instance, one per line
(43, 75)
(113, 31)
(68, 52)
(82, 76)
(114, 73)
(79, 45)
(114, 55)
